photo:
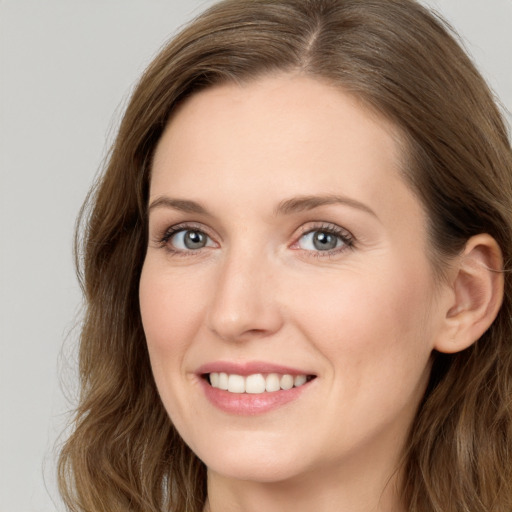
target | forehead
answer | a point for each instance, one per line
(297, 105)
(276, 137)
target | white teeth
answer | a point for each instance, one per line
(286, 382)
(223, 381)
(214, 380)
(272, 382)
(255, 383)
(236, 384)
(299, 380)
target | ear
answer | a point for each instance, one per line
(476, 294)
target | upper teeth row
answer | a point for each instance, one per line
(256, 383)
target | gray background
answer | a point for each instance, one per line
(66, 70)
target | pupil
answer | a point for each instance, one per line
(195, 240)
(324, 241)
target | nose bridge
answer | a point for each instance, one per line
(244, 303)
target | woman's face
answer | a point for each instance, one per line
(285, 248)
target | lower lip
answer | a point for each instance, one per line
(249, 404)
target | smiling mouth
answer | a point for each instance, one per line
(256, 383)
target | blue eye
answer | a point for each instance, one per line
(322, 240)
(189, 240)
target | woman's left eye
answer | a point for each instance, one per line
(322, 240)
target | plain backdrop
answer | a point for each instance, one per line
(66, 71)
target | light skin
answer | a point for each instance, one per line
(259, 174)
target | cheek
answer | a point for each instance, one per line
(171, 311)
(170, 308)
(373, 321)
(372, 332)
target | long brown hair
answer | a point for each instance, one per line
(402, 61)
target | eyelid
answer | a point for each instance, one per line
(326, 226)
(162, 237)
(346, 237)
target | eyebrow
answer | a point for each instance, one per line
(286, 207)
(183, 205)
(304, 203)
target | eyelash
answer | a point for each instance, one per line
(173, 230)
(346, 238)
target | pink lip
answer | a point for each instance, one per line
(246, 403)
(248, 368)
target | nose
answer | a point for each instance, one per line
(244, 304)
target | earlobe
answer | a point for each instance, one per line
(477, 291)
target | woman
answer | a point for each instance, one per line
(297, 272)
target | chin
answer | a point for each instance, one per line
(257, 463)
(256, 471)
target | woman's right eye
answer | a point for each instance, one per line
(188, 240)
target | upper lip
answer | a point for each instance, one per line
(249, 368)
